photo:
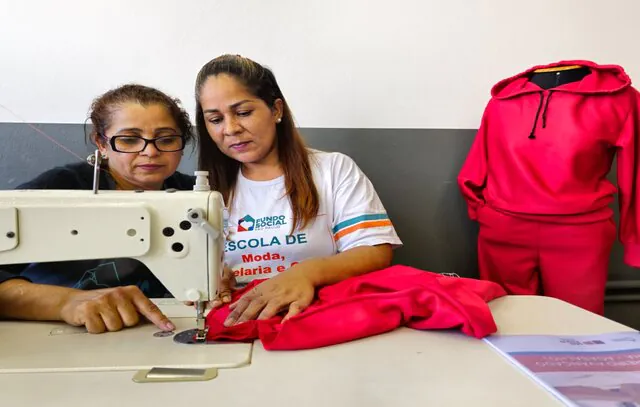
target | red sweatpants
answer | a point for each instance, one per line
(565, 261)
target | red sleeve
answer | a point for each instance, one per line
(473, 175)
(629, 184)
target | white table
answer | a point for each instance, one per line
(401, 368)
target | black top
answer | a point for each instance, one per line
(90, 274)
(553, 79)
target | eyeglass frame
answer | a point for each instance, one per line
(112, 143)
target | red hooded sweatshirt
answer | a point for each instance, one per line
(368, 305)
(548, 152)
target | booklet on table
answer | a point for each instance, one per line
(583, 370)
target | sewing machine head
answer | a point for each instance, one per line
(178, 235)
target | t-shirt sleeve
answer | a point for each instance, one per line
(360, 218)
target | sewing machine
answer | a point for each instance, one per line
(178, 235)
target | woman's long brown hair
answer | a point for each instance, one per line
(292, 151)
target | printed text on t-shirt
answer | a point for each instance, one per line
(233, 245)
(264, 263)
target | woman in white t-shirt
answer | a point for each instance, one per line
(298, 217)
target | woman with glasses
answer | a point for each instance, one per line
(141, 134)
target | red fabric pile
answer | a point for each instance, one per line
(368, 305)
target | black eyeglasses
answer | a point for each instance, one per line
(136, 144)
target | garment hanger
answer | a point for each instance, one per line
(550, 78)
(558, 68)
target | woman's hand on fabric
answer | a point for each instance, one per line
(290, 291)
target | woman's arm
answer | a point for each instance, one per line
(353, 262)
(109, 309)
(20, 299)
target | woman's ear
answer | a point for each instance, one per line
(278, 110)
(102, 146)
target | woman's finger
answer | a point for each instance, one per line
(237, 308)
(294, 309)
(252, 310)
(272, 308)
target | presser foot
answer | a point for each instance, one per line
(190, 337)
(201, 335)
(198, 335)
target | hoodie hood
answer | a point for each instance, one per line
(603, 79)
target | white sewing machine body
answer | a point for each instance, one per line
(178, 235)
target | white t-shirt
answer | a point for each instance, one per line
(259, 239)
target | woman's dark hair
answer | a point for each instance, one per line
(292, 152)
(103, 107)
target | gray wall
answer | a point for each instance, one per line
(414, 172)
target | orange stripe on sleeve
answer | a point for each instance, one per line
(363, 225)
